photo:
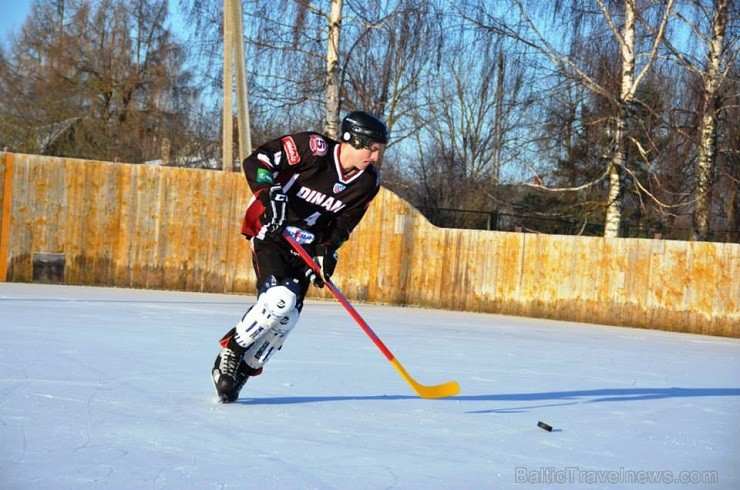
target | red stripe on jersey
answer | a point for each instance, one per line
(251, 224)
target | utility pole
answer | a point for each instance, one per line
(242, 113)
(234, 58)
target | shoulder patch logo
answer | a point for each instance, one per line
(318, 145)
(338, 188)
(264, 176)
(291, 150)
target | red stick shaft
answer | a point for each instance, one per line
(338, 294)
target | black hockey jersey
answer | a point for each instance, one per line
(320, 198)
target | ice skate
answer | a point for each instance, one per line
(230, 372)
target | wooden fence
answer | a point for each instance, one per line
(170, 228)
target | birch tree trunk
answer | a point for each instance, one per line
(331, 128)
(613, 218)
(706, 160)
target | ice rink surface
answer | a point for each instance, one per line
(110, 388)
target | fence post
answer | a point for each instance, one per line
(493, 220)
(5, 217)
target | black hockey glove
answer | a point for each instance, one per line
(276, 209)
(326, 258)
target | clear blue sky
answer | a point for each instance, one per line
(12, 15)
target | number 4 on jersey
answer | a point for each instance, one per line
(311, 220)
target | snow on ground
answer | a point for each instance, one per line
(110, 388)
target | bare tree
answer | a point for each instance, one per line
(469, 119)
(107, 83)
(707, 22)
(528, 30)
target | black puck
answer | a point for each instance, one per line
(543, 425)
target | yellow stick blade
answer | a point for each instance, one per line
(450, 388)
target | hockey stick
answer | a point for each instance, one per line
(450, 388)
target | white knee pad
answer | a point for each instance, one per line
(272, 309)
(271, 341)
(279, 300)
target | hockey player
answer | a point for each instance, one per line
(314, 183)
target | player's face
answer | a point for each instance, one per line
(362, 157)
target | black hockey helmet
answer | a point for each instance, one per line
(361, 130)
